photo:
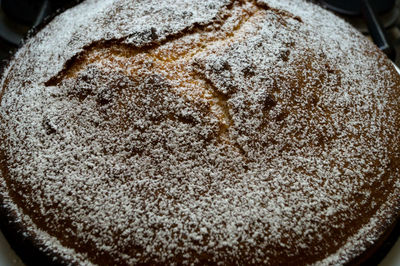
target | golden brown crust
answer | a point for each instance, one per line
(253, 134)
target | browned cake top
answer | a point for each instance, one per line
(201, 131)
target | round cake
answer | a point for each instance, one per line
(199, 132)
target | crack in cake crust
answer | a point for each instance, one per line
(247, 136)
(160, 57)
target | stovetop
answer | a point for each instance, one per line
(18, 18)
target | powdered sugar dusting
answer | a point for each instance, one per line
(193, 132)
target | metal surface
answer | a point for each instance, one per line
(354, 7)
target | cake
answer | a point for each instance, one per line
(199, 132)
